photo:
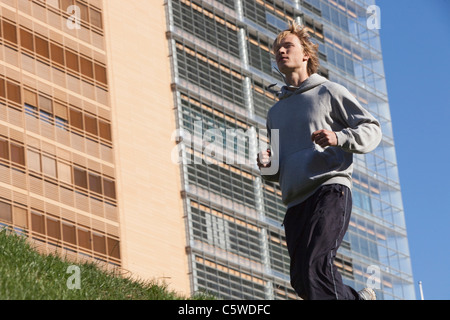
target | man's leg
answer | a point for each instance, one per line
(314, 232)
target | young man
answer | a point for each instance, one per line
(320, 125)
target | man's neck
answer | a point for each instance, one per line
(295, 79)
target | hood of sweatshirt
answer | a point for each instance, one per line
(313, 81)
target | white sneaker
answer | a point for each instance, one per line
(367, 294)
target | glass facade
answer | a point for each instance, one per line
(222, 66)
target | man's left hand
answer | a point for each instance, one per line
(324, 138)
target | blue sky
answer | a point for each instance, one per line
(415, 38)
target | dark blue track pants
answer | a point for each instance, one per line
(314, 231)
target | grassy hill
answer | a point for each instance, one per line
(26, 274)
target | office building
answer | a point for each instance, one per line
(129, 130)
(222, 67)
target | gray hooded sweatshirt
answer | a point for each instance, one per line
(298, 164)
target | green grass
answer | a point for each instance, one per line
(26, 274)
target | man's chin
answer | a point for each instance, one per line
(283, 68)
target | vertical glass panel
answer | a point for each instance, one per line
(64, 172)
(17, 154)
(80, 177)
(83, 11)
(100, 74)
(26, 40)
(5, 212)
(20, 217)
(33, 161)
(69, 233)
(9, 31)
(84, 238)
(4, 149)
(99, 243)
(86, 67)
(95, 183)
(45, 104)
(76, 119)
(90, 124)
(113, 248)
(96, 18)
(53, 228)
(2, 88)
(65, 4)
(105, 130)
(109, 188)
(42, 47)
(37, 222)
(49, 166)
(13, 92)
(30, 98)
(57, 53)
(72, 61)
(61, 111)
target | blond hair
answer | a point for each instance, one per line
(309, 48)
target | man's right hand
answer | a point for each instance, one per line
(263, 159)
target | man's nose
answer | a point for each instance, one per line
(281, 52)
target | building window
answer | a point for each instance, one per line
(64, 173)
(57, 54)
(4, 149)
(113, 247)
(13, 92)
(20, 217)
(69, 233)
(37, 222)
(42, 47)
(5, 212)
(9, 31)
(276, 22)
(72, 61)
(86, 67)
(99, 243)
(84, 238)
(26, 40)
(17, 154)
(96, 18)
(33, 161)
(95, 183)
(45, 104)
(2, 88)
(109, 188)
(90, 124)
(76, 119)
(53, 228)
(49, 166)
(80, 177)
(104, 130)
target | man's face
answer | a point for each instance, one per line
(289, 54)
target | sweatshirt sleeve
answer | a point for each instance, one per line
(361, 132)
